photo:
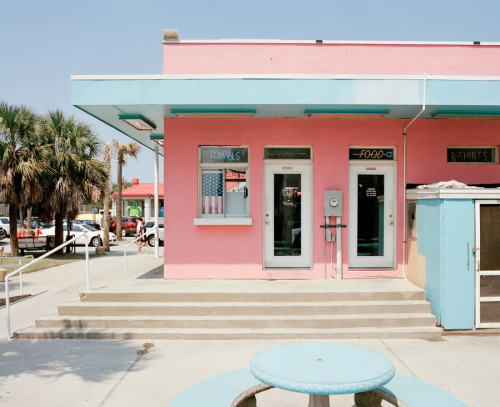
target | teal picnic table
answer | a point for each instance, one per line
(321, 370)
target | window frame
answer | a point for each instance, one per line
(223, 218)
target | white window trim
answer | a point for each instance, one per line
(223, 219)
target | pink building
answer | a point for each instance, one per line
(270, 144)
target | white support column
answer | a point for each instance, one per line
(147, 208)
(157, 205)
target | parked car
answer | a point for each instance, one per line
(129, 225)
(78, 229)
(150, 232)
(89, 222)
(3, 233)
(43, 225)
(4, 220)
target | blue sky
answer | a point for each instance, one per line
(43, 43)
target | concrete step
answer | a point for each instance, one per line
(250, 322)
(431, 333)
(241, 308)
(225, 309)
(257, 296)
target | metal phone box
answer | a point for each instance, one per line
(333, 202)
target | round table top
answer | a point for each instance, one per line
(321, 368)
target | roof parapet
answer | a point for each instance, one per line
(170, 35)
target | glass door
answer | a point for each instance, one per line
(487, 264)
(371, 216)
(287, 216)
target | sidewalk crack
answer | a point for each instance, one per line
(120, 380)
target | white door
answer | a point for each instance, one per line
(287, 215)
(487, 264)
(372, 215)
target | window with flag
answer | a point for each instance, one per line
(223, 181)
(212, 191)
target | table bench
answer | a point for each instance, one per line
(405, 391)
(232, 389)
(30, 243)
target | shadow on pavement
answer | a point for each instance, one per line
(156, 273)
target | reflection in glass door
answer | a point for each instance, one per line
(287, 218)
(371, 216)
(287, 215)
(370, 238)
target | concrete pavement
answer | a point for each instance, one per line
(111, 373)
(52, 287)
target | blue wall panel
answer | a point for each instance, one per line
(445, 239)
(458, 264)
(429, 243)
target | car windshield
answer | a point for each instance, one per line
(88, 227)
(4, 221)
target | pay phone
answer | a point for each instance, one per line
(333, 208)
(333, 203)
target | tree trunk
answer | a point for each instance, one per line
(106, 214)
(14, 245)
(119, 199)
(59, 238)
(21, 220)
(68, 228)
(29, 232)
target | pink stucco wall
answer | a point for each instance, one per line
(428, 140)
(237, 251)
(290, 58)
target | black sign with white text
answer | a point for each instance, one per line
(371, 153)
(485, 155)
(217, 154)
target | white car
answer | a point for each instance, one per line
(78, 229)
(4, 220)
(3, 233)
(150, 231)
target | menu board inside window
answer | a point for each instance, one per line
(472, 155)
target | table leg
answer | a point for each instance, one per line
(319, 400)
(368, 399)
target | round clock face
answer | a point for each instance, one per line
(333, 202)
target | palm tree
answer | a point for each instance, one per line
(75, 174)
(122, 151)
(108, 153)
(23, 158)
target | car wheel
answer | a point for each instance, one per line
(124, 232)
(95, 241)
(151, 240)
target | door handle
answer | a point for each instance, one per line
(267, 219)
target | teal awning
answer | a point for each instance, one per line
(160, 96)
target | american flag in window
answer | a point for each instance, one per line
(212, 189)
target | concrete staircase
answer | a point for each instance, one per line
(372, 308)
